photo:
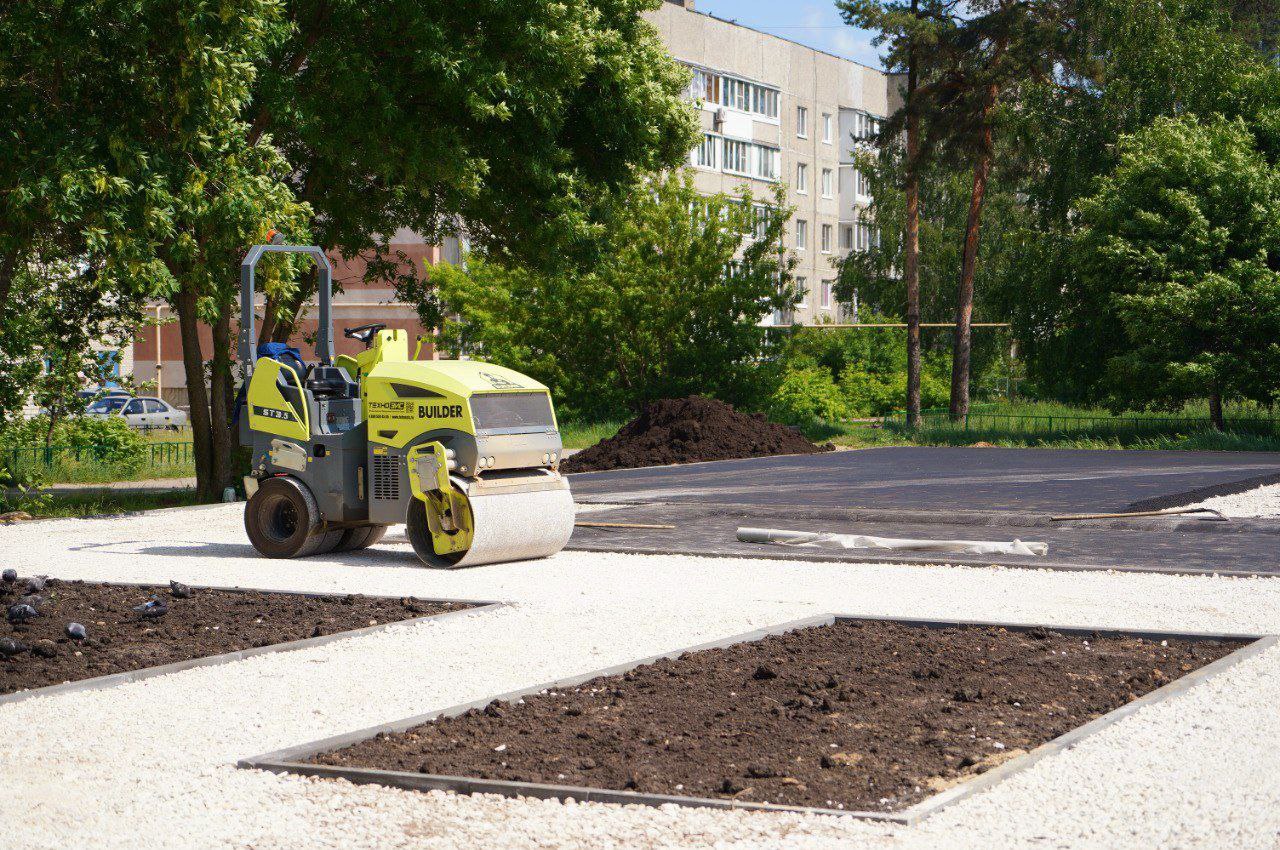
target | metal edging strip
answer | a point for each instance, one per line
(114, 679)
(288, 760)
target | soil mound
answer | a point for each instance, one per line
(688, 430)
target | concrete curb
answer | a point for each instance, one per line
(890, 556)
(290, 760)
(991, 519)
(114, 679)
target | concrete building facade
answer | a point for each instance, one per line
(774, 111)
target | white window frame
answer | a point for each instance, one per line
(828, 135)
(710, 144)
(745, 171)
(828, 183)
(846, 237)
(802, 122)
(824, 295)
(824, 241)
(802, 234)
(767, 162)
(802, 178)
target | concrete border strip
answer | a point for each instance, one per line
(290, 759)
(114, 679)
(895, 557)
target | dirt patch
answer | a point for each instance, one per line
(860, 715)
(40, 652)
(688, 430)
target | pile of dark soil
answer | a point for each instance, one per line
(861, 715)
(208, 622)
(688, 430)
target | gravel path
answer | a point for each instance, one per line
(1259, 502)
(151, 764)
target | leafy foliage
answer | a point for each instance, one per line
(806, 394)
(671, 308)
(1179, 267)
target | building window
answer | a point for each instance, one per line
(767, 162)
(866, 236)
(825, 239)
(759, 221)
(737, 157)
(824, 295)
(802, 122)
(802, 178)
(722, 90)
(764, 101)
(802, 287)
(827, 180)
(705, 154)
(705, 86)
(846, 237)
(865, 126)
(828, 133)
(802, 234)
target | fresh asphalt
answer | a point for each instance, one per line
(945, 493)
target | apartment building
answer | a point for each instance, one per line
(774, 111)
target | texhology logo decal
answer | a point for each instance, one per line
(499, 382)
(391, 409)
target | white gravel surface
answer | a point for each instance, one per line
(1259, 502)
(151, 764)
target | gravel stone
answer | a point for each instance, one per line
(152, 764)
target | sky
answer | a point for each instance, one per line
(812, 22)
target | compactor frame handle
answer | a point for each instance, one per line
(324, 285)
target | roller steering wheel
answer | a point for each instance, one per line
(364, 333)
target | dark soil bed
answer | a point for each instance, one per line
(208, 622)
(688, 430)
(859, 715)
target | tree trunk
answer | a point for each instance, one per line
(1215, 411)
(221, 396)
(964, 299)
(268, 329)
(286, 315)
(8, 265)
(911, 238)
(197, 395)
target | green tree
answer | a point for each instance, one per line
(672, 307)
(148, 135)
(1132, 62)
(996, 48)
(1179, 268)
(911, 31)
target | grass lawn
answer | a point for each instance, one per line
(107, 503)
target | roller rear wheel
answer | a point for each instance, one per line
(360, 538)
(282, 520)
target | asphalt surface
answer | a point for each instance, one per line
(941, 479)
(946, 493)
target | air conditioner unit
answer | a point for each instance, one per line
(721, 116)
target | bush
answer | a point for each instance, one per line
(106, 441)
(868, 394)
(806, 393)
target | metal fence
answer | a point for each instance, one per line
(47, 457)
(1099, 426)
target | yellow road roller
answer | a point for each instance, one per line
(465, 454)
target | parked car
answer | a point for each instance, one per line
(140, 412)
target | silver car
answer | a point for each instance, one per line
(140, 412)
